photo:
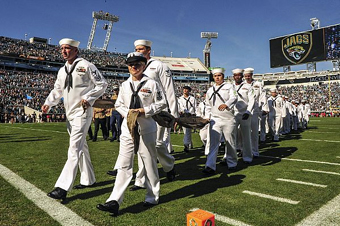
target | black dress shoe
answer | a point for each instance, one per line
(171, 174)
(135, 188)
(208, 171)
(80, 186)
(186, 149)
(111, 206)
(223, 162)
(247, 162)
(232, 168)
(112, 172)
(58, 193)
(148, 204)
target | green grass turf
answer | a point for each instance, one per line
(37, 152)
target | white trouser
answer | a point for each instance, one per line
(286, 124)
(167, 139)
(245, 127)
(187, 137)
(124, 164)
(219, 127)
(165, 158)
(274, 122)
(295, 123)
(78, 155)
(263, 130)
(239, 142)
(255, 134)
(204, 134)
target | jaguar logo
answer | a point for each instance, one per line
(296, 48)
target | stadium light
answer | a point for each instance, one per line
(105, 16)
(207, 48)
(314, 23)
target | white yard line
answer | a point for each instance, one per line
(330, 141)
(302, 182)
(338, 157)
(327, 215)
(302, 160)
(275, 198)
(318, 171)
(55, 209)
(43, 130)
(326, 127)
(317, 132)
(225, 219)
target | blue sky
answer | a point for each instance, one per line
(244, 26)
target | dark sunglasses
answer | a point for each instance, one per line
(135, 64)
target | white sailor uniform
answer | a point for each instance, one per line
(87, 83)
(245, 105)
(260, 100)
(187, 105)
(221, 123)
(277, 110)
(161, 73)
(153, 101)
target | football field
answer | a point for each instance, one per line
(294, 182)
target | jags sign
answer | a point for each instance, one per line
(297, 47)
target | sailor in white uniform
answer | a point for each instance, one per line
(161, 73)
(80, 83)
(220, 101)
(144, 95)
(187, 105)
(243, 113)
(277, 111)
(259, 106)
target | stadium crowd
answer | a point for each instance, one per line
(44, 51)
(24, 88)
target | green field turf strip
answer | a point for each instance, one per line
(37, 152)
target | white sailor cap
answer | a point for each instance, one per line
(143, 42)
(303, 101)
(248, 70)
(237, 71)
(69, 41)
(273, 90)
(218, 70)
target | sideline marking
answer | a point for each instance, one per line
(318, 171)
(224, 219)
(317, 132)
(301, 160)
(338, 157)
(326, 128)
(301, 182)
(55, 209)
(44, 130)
(271, 197)
(330, 141)
(328, 214)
